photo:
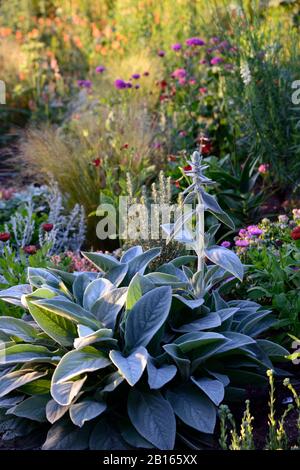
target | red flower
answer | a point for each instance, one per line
(172, 158)
(206, 145)
(295, 233)
(4, 237)
(187, 168)
(47, 227)
(30, 249)
(177, 184)
(125, 146)
(162, 84)
(96, 162)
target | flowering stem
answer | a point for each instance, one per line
(196, 168)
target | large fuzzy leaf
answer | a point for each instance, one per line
(132, 366)
(159, 376)
(132, 253)
(101, 261)
(13, 295)
(108, 307)
(57, 327)
(226, 259)
(55, 411)
(140, 263)
(153, 418)
(139, 285)
(147, 316)
(214, 389)
(17, 327)
(65, 436)
(105, 436)
(94, 291)
(25, 353)
(16, 379)
(193, 408)
(86, 410)
(211, 205)
(33, 408)
(103, 336)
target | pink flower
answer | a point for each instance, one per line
(243, 233)
(263, 169)
(179, 73)
(254, 231)
(100, 69)
(203, 90)
(242, 243)
(226, 244)
(216, 60)
(202, 61)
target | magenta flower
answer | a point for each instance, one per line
(120, 84)
(242, 243)
(179, 73)
(135, 76)
(254, 231)
(84, 83)
(215, 40)
(216, 60)
(161, 53)
(194, 42)
(192, 81)
(177, 46)
(203, 90)
(226, 244)
(202, 61)
(100, 69)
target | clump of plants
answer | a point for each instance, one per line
(127, 358)
(276, 438)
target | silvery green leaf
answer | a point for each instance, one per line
(273, 350)
(63, 435)
(140, 263)
(40, 276)
(183, 260)
(86, 410)
(112, 381)
(132, 366)
(57, 327)
(201, 341)
(33, 408)
(212, 206)
(101, 261)
(132, 253)
(138, 286)
(74, 363)
(105, 436)
(214, 389)
(205, 322)
(60, 306)
(17, 327)
(55, 411)
(117, 274)
(108, 307)
(163, 279)
(64, 393)
(190, 303)
(226, 259)
(220, 377)
(13, 380)
(79, 286)
(159, 376)
(236, 341)
(134, 439)
(193, 407)
(147, 316)
(210, 233)
(13, 295)
(94, 291)
(153, 418)
(27, 353)
(182, 362)
(103, 336)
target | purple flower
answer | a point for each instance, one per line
(216, 60)
(243, 233)
(135, 76)
(194, 42)
(120, 84)
(224, 45)
(215, 40)
(179, 73)
(128, 85)
(177, 46)
(242, 243)
(161, 53)
(137, 86)
(254, 231)
(202, 61)
(100, 69)
(226, 244)
(84, 83)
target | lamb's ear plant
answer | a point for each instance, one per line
(127, 358)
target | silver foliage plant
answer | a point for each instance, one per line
(69, 228)
(127, 358)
